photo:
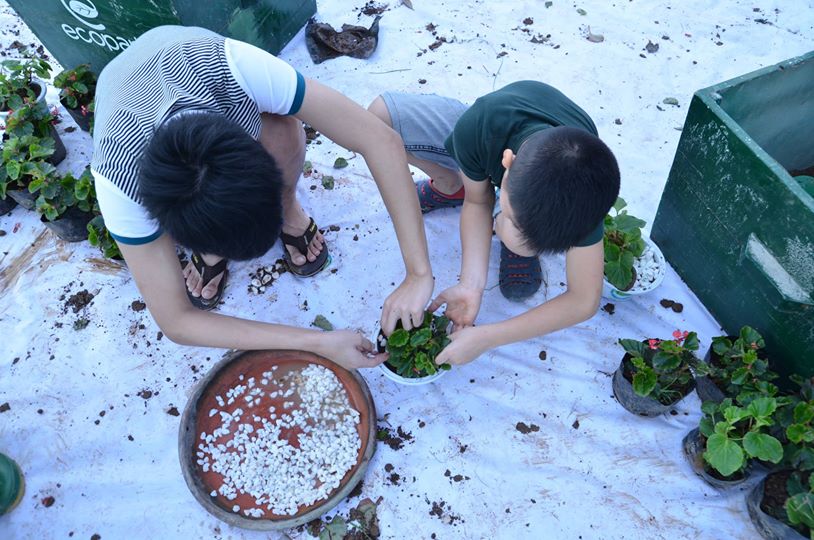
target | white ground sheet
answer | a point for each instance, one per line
(594, 470)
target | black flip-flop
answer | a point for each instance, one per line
(207, 273)
(301, 243)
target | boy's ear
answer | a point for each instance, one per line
(508, 159)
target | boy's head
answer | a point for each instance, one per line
(556, 190)
(212, 187)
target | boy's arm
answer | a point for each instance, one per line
(155, 268)
(463, 299)
(584, 269)
(355, 128)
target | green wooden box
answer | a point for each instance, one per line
(736, 219)
(95, 31)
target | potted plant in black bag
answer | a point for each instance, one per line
(782, 504)
(33, 119)
(735, 367)
(730, 437)
(411, 354)
(22, 82)
(24, 161)
(655, 374)
(65, 204)
(77, 89)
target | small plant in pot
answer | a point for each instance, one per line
(655, 374)
(77, 88)
(36, 119)
(99, 236)
(411, 354)
(782, 504)
(735, 367)
(24, 161)
(633, 264)
(65, 204)
(730, 437)
(21, 82)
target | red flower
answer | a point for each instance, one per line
(680, 336)
(83, 110)
(653, 344)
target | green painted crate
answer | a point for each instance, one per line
(733, 221)
(95, 31)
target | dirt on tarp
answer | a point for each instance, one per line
(78, 301)
(393, 440)
(324, 42)
(525, 429)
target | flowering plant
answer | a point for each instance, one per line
(660, 368)
(77, 87)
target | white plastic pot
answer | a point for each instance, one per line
(612, 293)
(393, 376)
(40, 96)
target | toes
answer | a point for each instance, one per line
(211, 288)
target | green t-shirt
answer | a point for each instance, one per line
(504, 119)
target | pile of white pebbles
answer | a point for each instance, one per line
(255, 459)
(265, 276)
(648, 268)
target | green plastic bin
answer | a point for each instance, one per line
(733, 221)
(95, 31)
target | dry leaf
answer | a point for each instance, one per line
(407, 3)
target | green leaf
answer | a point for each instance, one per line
(800, 509)
(619, 204)
(420, 337)
(798, 433)
(307, 168)
(328, 182)
(762, 407)
(398, 338)
(749, 335)
(335, 530)
(739, 376)
(691, 341)
(644, 382)
(763, 446)
(734, 414)
(803, 413)
(612, 252)
(340, 163)
(723, 428)
(633, 347)
(13, 170)
(618, 276)
(723, 454)
(627, 223)
(705, 426)
(721, 345)
(80, 87)
(321, 322)
(445, 367)
(666, 362)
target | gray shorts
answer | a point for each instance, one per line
(424, 122)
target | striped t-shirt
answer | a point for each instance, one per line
(171, 70)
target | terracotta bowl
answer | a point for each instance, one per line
(225, 375)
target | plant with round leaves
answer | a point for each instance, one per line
(661, 369)
(77, 87)
(623, 244)
(735, 435)
(17, 80)
(31, 119)
(24, 161)
(412, 353)
(800, 503)
(99, 236)
(740, 368)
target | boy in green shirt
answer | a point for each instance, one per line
(557, 180)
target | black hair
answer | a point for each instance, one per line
(212, 187)
(564, 181)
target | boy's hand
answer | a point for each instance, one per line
(349, 349)
(407, 303)
(465, 345)
(463, 304)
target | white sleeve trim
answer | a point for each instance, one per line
(124, 217)
(269, 81)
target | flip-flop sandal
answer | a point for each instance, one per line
(301, 243)
(520, 277)
(431, 199)
(207, 273)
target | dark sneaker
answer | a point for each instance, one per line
(520, 277)
(431, 199)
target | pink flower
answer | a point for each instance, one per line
(653, 344)
(83, 110)
(680, 336)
